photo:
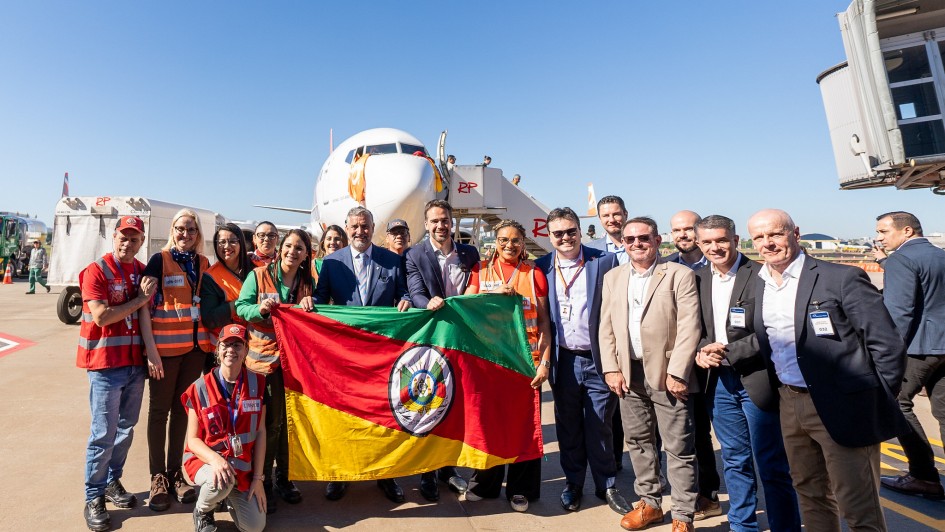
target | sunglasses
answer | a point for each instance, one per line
(644, 239)
(569, 232)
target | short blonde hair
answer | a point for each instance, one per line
(185, 213)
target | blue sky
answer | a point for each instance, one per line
(228, 104)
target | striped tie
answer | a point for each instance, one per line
(363, 271)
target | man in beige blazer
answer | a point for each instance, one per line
(649, 332)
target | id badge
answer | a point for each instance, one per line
(820, 320)
(195, 310)
(236, 445)
(526, 303)
(565, 309)
(736, 317)
(128, 322)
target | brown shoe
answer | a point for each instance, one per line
(682, 526)
(158, 499)
(641, 516)
(910, 485)
(706, 507)
(184, 492)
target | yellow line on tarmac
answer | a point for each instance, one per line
(919, 517)
(888, 448)
(888, 467)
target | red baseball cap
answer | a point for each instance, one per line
(132, 223)
(233, 330)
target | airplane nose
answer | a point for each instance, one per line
(397, 185)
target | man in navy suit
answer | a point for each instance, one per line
(839, 364)
(584, 405)
(914, 294)
(363, 275)
(741, 400)
(436, 269)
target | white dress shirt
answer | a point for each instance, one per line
(636, 296)
(451, 271)
(574, 332)
(778, 316)
(722, 286)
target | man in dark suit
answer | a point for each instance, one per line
(363, 275)
(584, 405)
(839, 363)
(742, 402)
(437, 269)
(914, 294)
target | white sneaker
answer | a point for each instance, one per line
(471, 497)
(519, 503)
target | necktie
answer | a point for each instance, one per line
(363, 273)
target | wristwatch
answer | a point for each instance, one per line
(546, 363)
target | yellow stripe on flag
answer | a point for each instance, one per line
(328, 444)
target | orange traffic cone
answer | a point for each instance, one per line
(8, 276)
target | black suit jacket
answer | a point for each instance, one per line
(424, 280)
(743, 353)
(854, 375)
(596, 264)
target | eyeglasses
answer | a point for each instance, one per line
(644, 239)
(186, 230)
(267, 236)
(232, 242)
(570, 232)
(503, 241)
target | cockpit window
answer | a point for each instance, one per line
(350, 157)
(412, 148)
(381, 148)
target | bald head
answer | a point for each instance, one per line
(682, 226)
(775, 237)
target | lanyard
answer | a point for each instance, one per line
(500, 275)
(568, 284)
(125, 281)
(276, 268)
(232, 401)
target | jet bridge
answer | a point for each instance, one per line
(885, 104)
(484, 195)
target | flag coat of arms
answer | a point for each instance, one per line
(374, 393)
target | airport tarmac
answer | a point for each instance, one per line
(45, 420)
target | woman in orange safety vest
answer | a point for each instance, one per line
(222, 282)
(509, 272)
(171, 328)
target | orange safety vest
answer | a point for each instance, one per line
(231, 285)
(215, 424)
(523, 281)
(172, 323)
(263, 354)
(116, 345)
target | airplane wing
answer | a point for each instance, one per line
(287, 209)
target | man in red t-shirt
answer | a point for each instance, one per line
(110, 351)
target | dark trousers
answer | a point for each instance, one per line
(163, 402)
(922, 372)
(584, 409)
(705, 454)
(277, 436)
(524, 478)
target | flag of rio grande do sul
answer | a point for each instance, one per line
(375, 393)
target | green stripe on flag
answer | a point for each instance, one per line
(490, 326)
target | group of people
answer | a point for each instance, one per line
(795, 362)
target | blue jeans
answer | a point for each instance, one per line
(745, 431)
(115, 399)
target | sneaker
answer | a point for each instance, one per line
(519, 503)
(116, 494)
(204, 522)
(28, 293)
(471, 497)
(705, 508)
(158, 499)
(96, 517)
(184, 492)
(47, 289)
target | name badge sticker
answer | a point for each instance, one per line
(820, 321)
(736, 317)
(488, 286)
(252, 405)
(173, 281)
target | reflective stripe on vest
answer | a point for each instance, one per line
(231, 285)
(171, 323)
(263, 354)
(115, 345)
(523, 281)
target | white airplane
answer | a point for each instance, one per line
(386, 170)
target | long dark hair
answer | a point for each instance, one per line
(305, 267)
(245, 265)
(337, 229)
